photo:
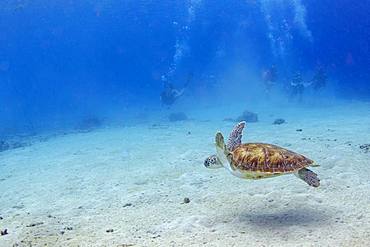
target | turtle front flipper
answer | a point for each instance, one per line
(222, 151)
(309, 177)
(235, 137)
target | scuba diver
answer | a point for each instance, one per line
(297, 86)
(170, 94)
(269, 78)
(319, 80)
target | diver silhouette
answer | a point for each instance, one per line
(297, 86)
(319, 79)
(170, 94)
(269, 78)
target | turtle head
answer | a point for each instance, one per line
(212, 162)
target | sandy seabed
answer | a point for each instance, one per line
(126, 186)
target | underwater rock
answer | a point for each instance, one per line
(35, 224)
(19, 145)
(279, 121)
(365, 148)
(229, 119)
(89, 124)
(249, 117)
(158, 126)
(179, 116)
(12, 144)
(4, 146)
(186, 200)
(18, 206)
(4, 232)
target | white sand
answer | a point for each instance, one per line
(83, 181)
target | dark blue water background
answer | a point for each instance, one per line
(62, 60)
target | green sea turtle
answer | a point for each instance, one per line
(259, 160)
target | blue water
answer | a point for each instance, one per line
(109, 108)
(64, 59)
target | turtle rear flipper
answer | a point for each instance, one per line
(309, 177)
